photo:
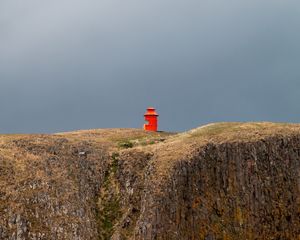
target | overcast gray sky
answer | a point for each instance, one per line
(80, 64)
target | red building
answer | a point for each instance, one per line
(152, 118)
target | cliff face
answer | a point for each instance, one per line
(48, 189)
(221, 181)
(228, 191)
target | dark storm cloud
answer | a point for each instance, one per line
(93, 64)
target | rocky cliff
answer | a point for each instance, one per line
(220, 181)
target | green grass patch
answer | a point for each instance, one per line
(125, 144)
(108, 206)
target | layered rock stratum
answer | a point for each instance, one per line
(220, 181)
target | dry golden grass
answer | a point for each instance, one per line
(168, 148)
(112, 137)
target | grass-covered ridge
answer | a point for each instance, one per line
(238, 131)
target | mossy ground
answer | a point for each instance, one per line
(108, 203)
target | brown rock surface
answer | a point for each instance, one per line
(220, 181)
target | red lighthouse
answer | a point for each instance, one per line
(151, 117)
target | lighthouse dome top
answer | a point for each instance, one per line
(151, 112)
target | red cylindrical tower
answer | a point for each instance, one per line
(152, 118)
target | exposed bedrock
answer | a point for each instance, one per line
(248, 190)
